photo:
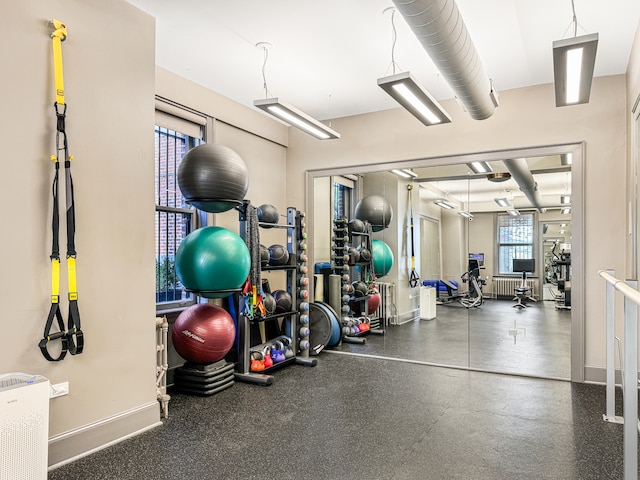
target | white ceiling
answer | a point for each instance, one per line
(326, 56)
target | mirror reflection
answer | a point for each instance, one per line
(481, 276)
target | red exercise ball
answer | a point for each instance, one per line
(374, 302)
(203, 333)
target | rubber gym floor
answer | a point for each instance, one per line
(352, 417)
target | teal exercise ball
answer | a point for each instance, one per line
(211, 261)
(382, 258)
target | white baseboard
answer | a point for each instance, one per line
(74, 444)
(599, 375)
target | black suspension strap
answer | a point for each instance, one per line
(414, 278)
(71, 337)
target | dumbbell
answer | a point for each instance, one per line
(304, 332)
(304, 319)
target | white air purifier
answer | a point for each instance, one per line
(24, 426)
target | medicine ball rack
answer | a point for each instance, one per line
(294, 320)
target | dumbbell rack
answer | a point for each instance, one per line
(340, 266)
(293, 320)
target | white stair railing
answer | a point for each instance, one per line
(630, 370)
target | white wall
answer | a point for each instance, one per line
(110, 97)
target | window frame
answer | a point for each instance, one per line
(531, 245)
(194, 218)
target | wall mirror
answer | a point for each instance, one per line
(527, 205)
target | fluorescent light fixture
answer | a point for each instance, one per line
(562, 225)
(565, 211)
(503, 202)
(480, 167)
(465, 214)
(405, 173)
(566, 159)
(565, 199)
(561, 232)
(401, 173)
(296, 118)
(441, 202)
(515, 213)
(406, 91)
(573, 62)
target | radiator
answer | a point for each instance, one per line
(505, 287)
(24, 427)
(387, 310)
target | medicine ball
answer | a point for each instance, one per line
(264, 255)
(269, 303)
(365, 254)
(213, 178)
(356, 226)
(283, 300)
(359, 289)
(376, 210)
(354, 255)
(278, 255)
(268, 214)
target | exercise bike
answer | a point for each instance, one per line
(473, 297)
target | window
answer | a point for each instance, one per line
(342, 193)
(175, 219)
(515, 240)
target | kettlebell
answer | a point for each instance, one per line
(268, 361)
(288, 351)
(277, 352)
(257, 361)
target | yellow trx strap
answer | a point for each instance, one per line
(58, 36)
(72, 337)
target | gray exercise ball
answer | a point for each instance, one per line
(213, 178)
(376, 210)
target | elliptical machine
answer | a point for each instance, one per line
(473, 297)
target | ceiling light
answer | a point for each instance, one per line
(410, 172)
(565, 211)
(480, 167)
(503, 202)
(565, 199)
(401, 173)
(288, 114)
(465, 214)
(562, 225)
(441, 202)
(573, 62)
(561, 232)
(566, 159)
(296, 118)
(515, 213)
(498, 177)
(406, 91)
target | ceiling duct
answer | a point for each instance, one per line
(519, 170)
(440, 29)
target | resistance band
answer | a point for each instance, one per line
(414, 278)
(71, 337)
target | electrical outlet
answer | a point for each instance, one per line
(59, 389)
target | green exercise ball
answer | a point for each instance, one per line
(212, 259)
(382, 258)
